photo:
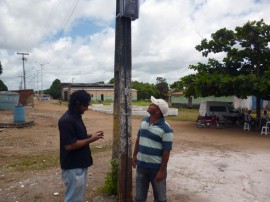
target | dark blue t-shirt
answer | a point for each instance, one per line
(71, 129)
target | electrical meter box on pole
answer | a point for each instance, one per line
(129, 9)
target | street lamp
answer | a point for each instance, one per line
(41, 78)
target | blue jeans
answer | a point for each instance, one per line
(144, 177)
(75, 181)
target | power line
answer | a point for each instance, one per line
(64, 24)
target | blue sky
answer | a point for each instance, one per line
(75, 38)
(84, 28)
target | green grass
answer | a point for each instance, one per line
(185, 115)
(103, 102)
(110, 184)
(44, 161)
(35, 162)
(140, 103)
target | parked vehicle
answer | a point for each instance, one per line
(208, 121)
(220, 109)
(230, 121)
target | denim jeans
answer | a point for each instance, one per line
(75, 181)
(144, 177)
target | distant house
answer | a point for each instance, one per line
(178, 100)
(99, 92)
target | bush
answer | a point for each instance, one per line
(3, 87)
(110, 185)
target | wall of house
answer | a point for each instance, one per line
(181, 101)
(107, 95)
(97, 95)
(249, 103)
(101, 95)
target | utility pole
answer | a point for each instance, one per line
(122, 145)
(41, 78)
(34, 82)
(37, 84)
(23, 59)
(20, 88)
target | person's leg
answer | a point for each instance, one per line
(142, 184)
(75, 182)
(159, 188)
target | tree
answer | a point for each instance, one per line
(145, 90)
(1, 70)
(162, 87)
(111, 81)
(3, 87)
(244, 69)
(176, 86)
(55, 89)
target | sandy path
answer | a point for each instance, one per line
(205, 165)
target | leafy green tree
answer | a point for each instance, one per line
(55, 89)
(145, 90)
(176, 86)
(244, 69)
(111, 81)
(162, 87)
(3, 87)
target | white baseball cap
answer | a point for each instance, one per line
(162, 104)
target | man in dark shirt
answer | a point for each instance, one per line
(75, 153)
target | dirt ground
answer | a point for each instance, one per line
(206, 164)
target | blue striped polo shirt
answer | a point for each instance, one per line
(153, 140)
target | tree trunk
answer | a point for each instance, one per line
(258, 107)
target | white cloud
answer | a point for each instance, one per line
(163, 38)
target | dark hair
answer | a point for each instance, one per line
(79, 98)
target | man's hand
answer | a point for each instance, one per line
(81, 143)
(97, 135)
(160, 176)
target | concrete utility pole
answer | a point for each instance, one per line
(41, 78)
(20, 88)
(122, 145)
(23, 59)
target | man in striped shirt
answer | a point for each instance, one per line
(152, 151)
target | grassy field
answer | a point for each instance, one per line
(183, 114)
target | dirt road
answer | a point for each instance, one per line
(205, 165)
